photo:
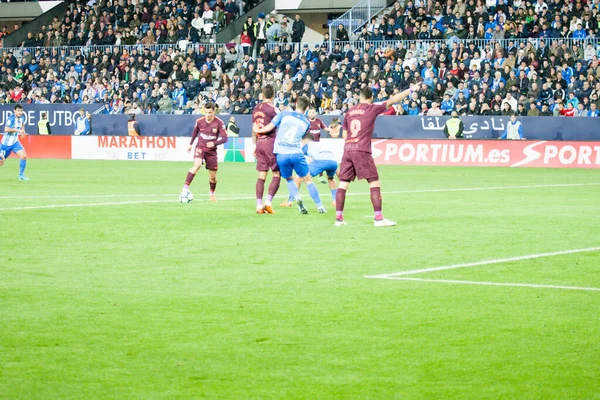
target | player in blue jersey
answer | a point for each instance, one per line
(291, 128)
(320, 160)
(15, 127)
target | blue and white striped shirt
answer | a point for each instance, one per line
(13, 122)
(291, 126)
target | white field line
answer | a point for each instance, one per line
(91, 196)
(115, 203)
(479, 263)
(252, 197)
(527, 285)
(244, 196)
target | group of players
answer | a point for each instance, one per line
(284, 139)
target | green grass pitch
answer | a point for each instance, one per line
(159, 300)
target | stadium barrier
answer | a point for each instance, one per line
(398, 127)
(488, 153)
(60, 116)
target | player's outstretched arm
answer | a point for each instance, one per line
(265, 129)
(397, 98)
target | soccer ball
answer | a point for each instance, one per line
(186, 196)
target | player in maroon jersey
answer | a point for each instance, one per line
(358, 161)
(210, 132)
(316, 125)
(315, 129)
(265, 158)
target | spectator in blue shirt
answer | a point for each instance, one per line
(491, 24)
(413, 109)
(461, 89)
(579, 33)
(447, 104)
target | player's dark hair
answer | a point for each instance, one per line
(210, 106)
(308, 136)
(268, 92)
(302, 103)
(366, 93)
(18, 107)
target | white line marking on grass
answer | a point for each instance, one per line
(528, 285)
(116, 203)
(91, 196)
(475, 189)
(245, 197)
(485, 262)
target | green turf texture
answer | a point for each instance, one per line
(171, 301)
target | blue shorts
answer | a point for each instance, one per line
(6, 150)
(316, 167)
(288, 163)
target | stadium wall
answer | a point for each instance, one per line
(397, 127)
(488, 153)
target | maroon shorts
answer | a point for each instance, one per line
(265, 159)
(358, 164)
(211, 161)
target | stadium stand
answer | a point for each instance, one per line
(475, 57)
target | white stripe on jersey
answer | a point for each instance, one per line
(13, 137)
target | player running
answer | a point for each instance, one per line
(15, 127)
(357, 161)
(315, 129)
(291, 128)
(210, 132)
(321, 161)
(262, 115)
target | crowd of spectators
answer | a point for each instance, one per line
(529, 65)
(127, 22)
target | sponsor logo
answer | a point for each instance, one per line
(514, 153)
(376, 151)
(440, 153)
(136, 142)
(530, 154)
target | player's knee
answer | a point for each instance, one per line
(24, 157)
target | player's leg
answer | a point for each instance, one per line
(18, 148)
(262, 168)
(346, 174)
(321, 179)
(290, 200)
(212, 165)
(331, 171)
(212, 182)
(368, 170)
(2, 155)
(260, 191)
(198, 161)
(301, 168)
(274, 186)
(286, 168)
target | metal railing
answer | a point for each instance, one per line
(359, 15)
(183, 46)
(421, 47)
(418, 47)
